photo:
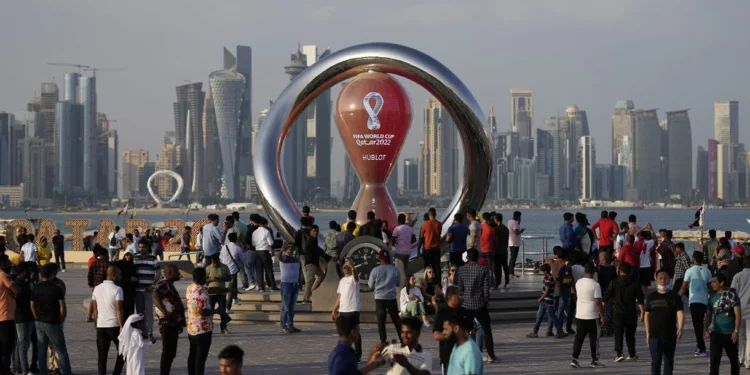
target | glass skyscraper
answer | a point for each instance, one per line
(227, 88)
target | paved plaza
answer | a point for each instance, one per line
(269, 352)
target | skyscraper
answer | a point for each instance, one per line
(113, 163)
(440, 151)
(725, 177)
(87, 98)
(522, 180)
(318, 130)
(46, 131)
(70, 89)
(739, 165)
(351, 182)
(227, 88)
(647, 152)
(623, 136)
(211, 149)
(578, 120)
(101, 160)
(586, 168)
(33, 151)
(7, 148)
(144, 172)
(492, 121)
(545, 158)
(171, 157)
(294, 158)
(521, 112)
(69, 148)
(726, 122)
(131, 160)
(242, 63)
(701, 172)
(188, 113)
(679, 168)
(564, 162)
(713, 150)
(411, 176)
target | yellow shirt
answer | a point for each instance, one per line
(44, 254)
(356, 229)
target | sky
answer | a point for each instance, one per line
(667, 54)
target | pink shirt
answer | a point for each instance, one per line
(403, 234)
(633, 228)
(514, 239)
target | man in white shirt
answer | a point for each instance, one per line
(115, 246)
(231, 256)
(347, 300)
(409, 357)
(741, 284)
(107, 305)
(514, 240)
(589, 315)
(263, 245)
(29, 249)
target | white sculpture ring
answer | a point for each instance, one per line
(173, 174)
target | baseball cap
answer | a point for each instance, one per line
(384, 255)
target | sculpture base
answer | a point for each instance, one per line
(384, 207)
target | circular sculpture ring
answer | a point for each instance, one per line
(173, 174)
(347, 63)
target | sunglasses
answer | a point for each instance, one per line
(451, 271)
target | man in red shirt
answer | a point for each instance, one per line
(486, 241)
(430, 231)
(631, 254)
(607, 232)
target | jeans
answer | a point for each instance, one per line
(551, 318)
(60, 259)
(586, 327)
(104, 337)
(7, 344)
(232, 291)
(358, 343)
(561, 306)
(513, 257)
(113, 253)
(289, 293)
(698, 313)
(169, 337)
(625, 324)
(743, 348)
(313, 277)
(159, 253)
(432, 259)
(483, 317)
(144, 305)
(722, 342)
(381, 307)
(264, 267)
(184, 251)
(662, 349)
(21, 355)
(52, 334)
(220, 300)
(198, 352)
(249, 266)
(501, 267)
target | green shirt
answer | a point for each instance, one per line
(220, 272)
(723, 322)
(241, 229)
(709, 249)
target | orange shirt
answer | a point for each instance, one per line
(431, 232)
(487, 239)
(7, 301)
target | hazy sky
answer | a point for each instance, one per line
(660, 54)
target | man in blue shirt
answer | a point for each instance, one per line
(342, 360)
(211, 239)
(567, 236)
(457, 235)
(383, 281)
(698, 280)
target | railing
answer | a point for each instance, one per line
(171, 256)
(523, 253)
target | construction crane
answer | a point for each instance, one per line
(79, 66)
(94, 70)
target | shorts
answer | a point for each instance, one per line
(644, 275)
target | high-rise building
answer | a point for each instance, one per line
(713, 168)
(578, 120)
(172, 157)
(701, 173)
(411, 176)
(69, 148)
(101, 161)
(545, 158)
(392, 183)
(521, 112)
(212, 169)
(294, 160)
(351, 182)
(70, 89)
(564, 162)
(586, 167)
(227, 88)
(680, 157)
(421, 163)
(623, 137)
(318, 132)
(188, 114)
(8, 149)
(33, 163)
(242, 63)
(647, 171)
(113, 163)
(726, 178)
(492, 121)
(131, 160)
(726, 122)
(522, 180)
(144, 172)
(47, 106)
(87, 98)
(440, 151)
(739, 165)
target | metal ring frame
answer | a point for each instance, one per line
(347, 63)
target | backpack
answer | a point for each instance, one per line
(566, 278)
(113, 240)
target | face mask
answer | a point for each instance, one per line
(663, 287)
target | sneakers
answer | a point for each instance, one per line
(561, 334)
(699, 353)
(632, 357)
(288, 330)
(490, 360)
(574, 363)
(295, 329)
(550, 334)
(251, 288)
(225, 332)
(64, 270)
(619, 358)
(532, 335)
(427, 324)
(229, 312)
(305, 303)
(596, 364)
(570, 332)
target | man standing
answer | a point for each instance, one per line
(446, 341)
(48, 307)
(306, 213)
(631, 255)
(607, 232)
(741, 284)
(250, 282)
(217, 276)
(682, 264)
(107, 301)
(346, 235)
(370, 228)
(240, 228)
(474, 281)
(457, 235)
(409, 357)
(697, 281)
(568, 237)
(185, 242)
(667, 252)
(312, 254)
(514, 241)
(263, 245)
(710, 249)
(231, 255)
(466, 358)
(289, 266)
(330, 241)
(347, 301)
(501, 251)
(431, 232)
(402, 239)
(626, 293)
(351, 217)
(147, 270)
(664, 319)
(8, 293)
(58, 242)
(115, 244)
(172, 315)
(475, 229)
(384, 281)
(724, 312)
(211, 239)
(486, 241)
(29, 249)
(342, 360)
(199, 322)
(633, 228)
(589, 315)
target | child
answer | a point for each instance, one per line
(132, 341)
(412, 301)
(546, 305)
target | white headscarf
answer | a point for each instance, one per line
(126, 334)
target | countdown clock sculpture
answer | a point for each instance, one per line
(364, 252)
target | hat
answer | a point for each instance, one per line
(384, 255)
(738, 250)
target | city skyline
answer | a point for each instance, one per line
(555, 85)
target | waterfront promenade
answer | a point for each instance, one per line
(269, 352)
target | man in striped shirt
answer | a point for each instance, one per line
(147, 271)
